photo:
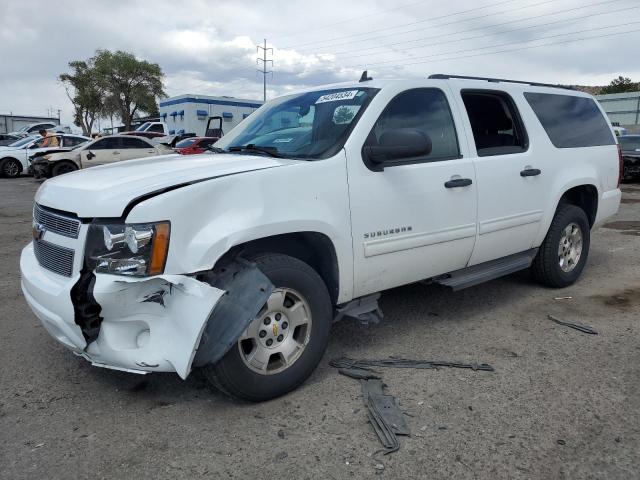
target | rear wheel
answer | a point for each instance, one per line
(10, 167)
(285, 342)
(563, 254)
(61, 168)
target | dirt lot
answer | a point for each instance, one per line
(560, 405)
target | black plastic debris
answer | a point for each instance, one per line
(393, 362)
(575, 326)
(384, 414)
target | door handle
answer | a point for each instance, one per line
(530, 172)
(115, 152)
(458, 182)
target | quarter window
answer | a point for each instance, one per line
(495, 123)
(426, 110)
(571, 121)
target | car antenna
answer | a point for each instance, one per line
(364, 77)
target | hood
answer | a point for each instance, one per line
(105, 191)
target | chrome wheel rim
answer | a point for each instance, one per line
(570, 247)
(11, 169)
(278, 335)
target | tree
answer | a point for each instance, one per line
(86, 94)
(131, 85)
(620, 85)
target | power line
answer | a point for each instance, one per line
(514, 49)
(492, 26)
(264, 71)
(412, 23)
(503, 44)
(422, 21)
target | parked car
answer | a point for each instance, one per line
(150, 130)
(14, 158)
(193, 145)
(239, 262)
(7, 139)
(101, 151)
(630, 146)
(36, 127)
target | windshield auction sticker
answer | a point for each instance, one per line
(335, 97)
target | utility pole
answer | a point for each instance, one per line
(264, 66)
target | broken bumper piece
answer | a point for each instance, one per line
(147, 324)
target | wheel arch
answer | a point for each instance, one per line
(314, 248)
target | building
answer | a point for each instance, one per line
(622, 109)
(189, 113)
(13, 123)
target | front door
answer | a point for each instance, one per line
(414, 218)
(104, 151)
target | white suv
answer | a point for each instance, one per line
(239, 261)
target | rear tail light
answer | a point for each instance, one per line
(620, 165)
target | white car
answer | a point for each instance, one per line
(14, 158)
(239, 261)
(101, 151)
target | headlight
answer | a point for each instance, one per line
(138, 249)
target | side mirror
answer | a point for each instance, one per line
(397, 144)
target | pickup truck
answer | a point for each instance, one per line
(238, 262)
(150, 130)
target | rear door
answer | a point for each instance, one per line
(414, 218)
(104, 151)
(135, 148)
(511, 173)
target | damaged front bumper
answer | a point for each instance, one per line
(151, 324)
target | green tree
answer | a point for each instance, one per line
(86, 94)
(131, 85)
(620, 85)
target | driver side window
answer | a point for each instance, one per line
(425, 110)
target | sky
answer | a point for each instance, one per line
(209, 47)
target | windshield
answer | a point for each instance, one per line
(185, 143)
(143, 127)
(307, 125)
(629, 143)
(22, 142)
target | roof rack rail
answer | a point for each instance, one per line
(442, 76)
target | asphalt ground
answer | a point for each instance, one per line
(561, 404)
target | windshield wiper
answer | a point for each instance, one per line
(271, 151)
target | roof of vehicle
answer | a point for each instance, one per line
(630, 136)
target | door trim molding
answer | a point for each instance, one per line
(510, 221)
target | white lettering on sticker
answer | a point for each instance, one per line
(334, 97)
(283, 140)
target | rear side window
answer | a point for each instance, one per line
(495, 122)
(156, 127)
(133, 143)
(571, 122)
(109, 143)
(426, 110)
(629, 143)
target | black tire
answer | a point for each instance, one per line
(10, 167)
(234, 378)
(546, 266)
(62, 167)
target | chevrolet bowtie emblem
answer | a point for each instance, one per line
(38, 231)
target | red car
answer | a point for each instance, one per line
(190, 146)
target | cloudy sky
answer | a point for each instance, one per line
(209, 47)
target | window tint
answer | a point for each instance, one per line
(134, 143)
(426, 110)
(108, 143)
(495, 122)
(156, 128)
(570, 121)
(206, 142)
(629, 143)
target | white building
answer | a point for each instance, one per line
(622, 108)
(189, 113)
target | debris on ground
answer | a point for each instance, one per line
(576, 326)
(562, 298)
(346, 363)
(383, 409)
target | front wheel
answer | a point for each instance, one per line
(285, 342)
(10, 168)
(60, 168)
(563, 254)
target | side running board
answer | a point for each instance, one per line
(483, 272)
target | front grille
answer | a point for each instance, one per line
(54, 257)
(55, 222)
